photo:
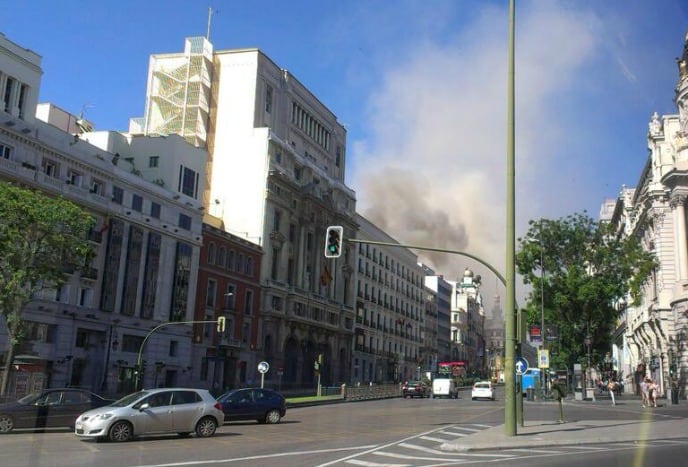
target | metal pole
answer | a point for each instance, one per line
(544, 371)
(510, 338)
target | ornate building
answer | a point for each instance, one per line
(656, 330)
(277, 158)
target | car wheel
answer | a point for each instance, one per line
(6, 423)
(120, 431)
(273, 416)
(206, 427)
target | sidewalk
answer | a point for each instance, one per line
(572, 433)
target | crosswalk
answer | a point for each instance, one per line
(424, 450)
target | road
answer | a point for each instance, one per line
(388, 432)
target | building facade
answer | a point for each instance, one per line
(390, 310)
(655, 330)
(89, 331)
(275, 176)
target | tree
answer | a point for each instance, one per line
(42, 241)
(588, 268)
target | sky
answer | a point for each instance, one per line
(420, 85)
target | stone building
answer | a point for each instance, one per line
(652, 338)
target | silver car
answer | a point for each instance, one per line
(153, 411)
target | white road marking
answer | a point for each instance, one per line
(435, 451)
(439, 440)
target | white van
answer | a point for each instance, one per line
(445, 387)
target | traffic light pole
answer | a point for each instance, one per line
(139, 376)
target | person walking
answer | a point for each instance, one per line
(611, 387)
(654, 389)
(644, 392)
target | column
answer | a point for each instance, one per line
(678, 202)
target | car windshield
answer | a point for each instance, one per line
(482, 386)
(130, 399)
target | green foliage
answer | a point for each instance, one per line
(42, 240)
(580, 269)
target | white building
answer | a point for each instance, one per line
(652, 335)
(467, 323)
(275, 176)
(440, 306)
(89, 331)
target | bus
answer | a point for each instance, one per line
(451, 369)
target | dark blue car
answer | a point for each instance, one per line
(263, 405)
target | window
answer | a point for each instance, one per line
(97, 187)
(249, 266)
(155, 210)
(268, 98)
(188, 181)
(230, 291)
(211, 253)
(211, 293)
(230, 259)
(184, 221)
(74, 177)
(276, 219)
(51, 168)
(131, 343)
(174, 346)
(9, 84)
(137, 203)
(240, 262)
(5, 151)
(23, 91)
(248, 303)
(153, 161)
(117, 195)
(85, 297)
(221, 255)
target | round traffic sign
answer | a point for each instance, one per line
(263, 367)
(521, 365)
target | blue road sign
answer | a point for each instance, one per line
(521, 365)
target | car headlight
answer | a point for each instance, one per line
(103, 416)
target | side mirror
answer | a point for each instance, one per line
(144, 406)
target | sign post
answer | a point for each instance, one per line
(263, 368)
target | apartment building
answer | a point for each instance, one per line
(390, 310)
(275, 176)
(147, 237)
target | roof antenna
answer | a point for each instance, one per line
(210, 15)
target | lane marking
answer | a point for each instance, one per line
(439, 440)
(435, 451)
(265, 456)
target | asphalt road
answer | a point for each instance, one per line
(380, 432)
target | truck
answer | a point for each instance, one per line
(445, 387)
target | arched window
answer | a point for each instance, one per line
(221, 257)
(240, 262)
(230, 260)
(249, 266)
(211, 253)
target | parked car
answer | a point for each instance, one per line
(483, 390)
(415, 389)
(263, 405)
(153, 411)
(50, 408)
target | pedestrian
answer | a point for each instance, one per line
(644, 392)
(611, 387)
(654, 389)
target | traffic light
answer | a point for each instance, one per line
(333, 241)
(221, 324)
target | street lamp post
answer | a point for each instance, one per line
(542, 310)
(588, 343)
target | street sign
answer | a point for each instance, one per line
(263, 367)
(521, 365)
(543, 358)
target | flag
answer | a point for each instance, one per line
(325, 277)
(105, 226)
